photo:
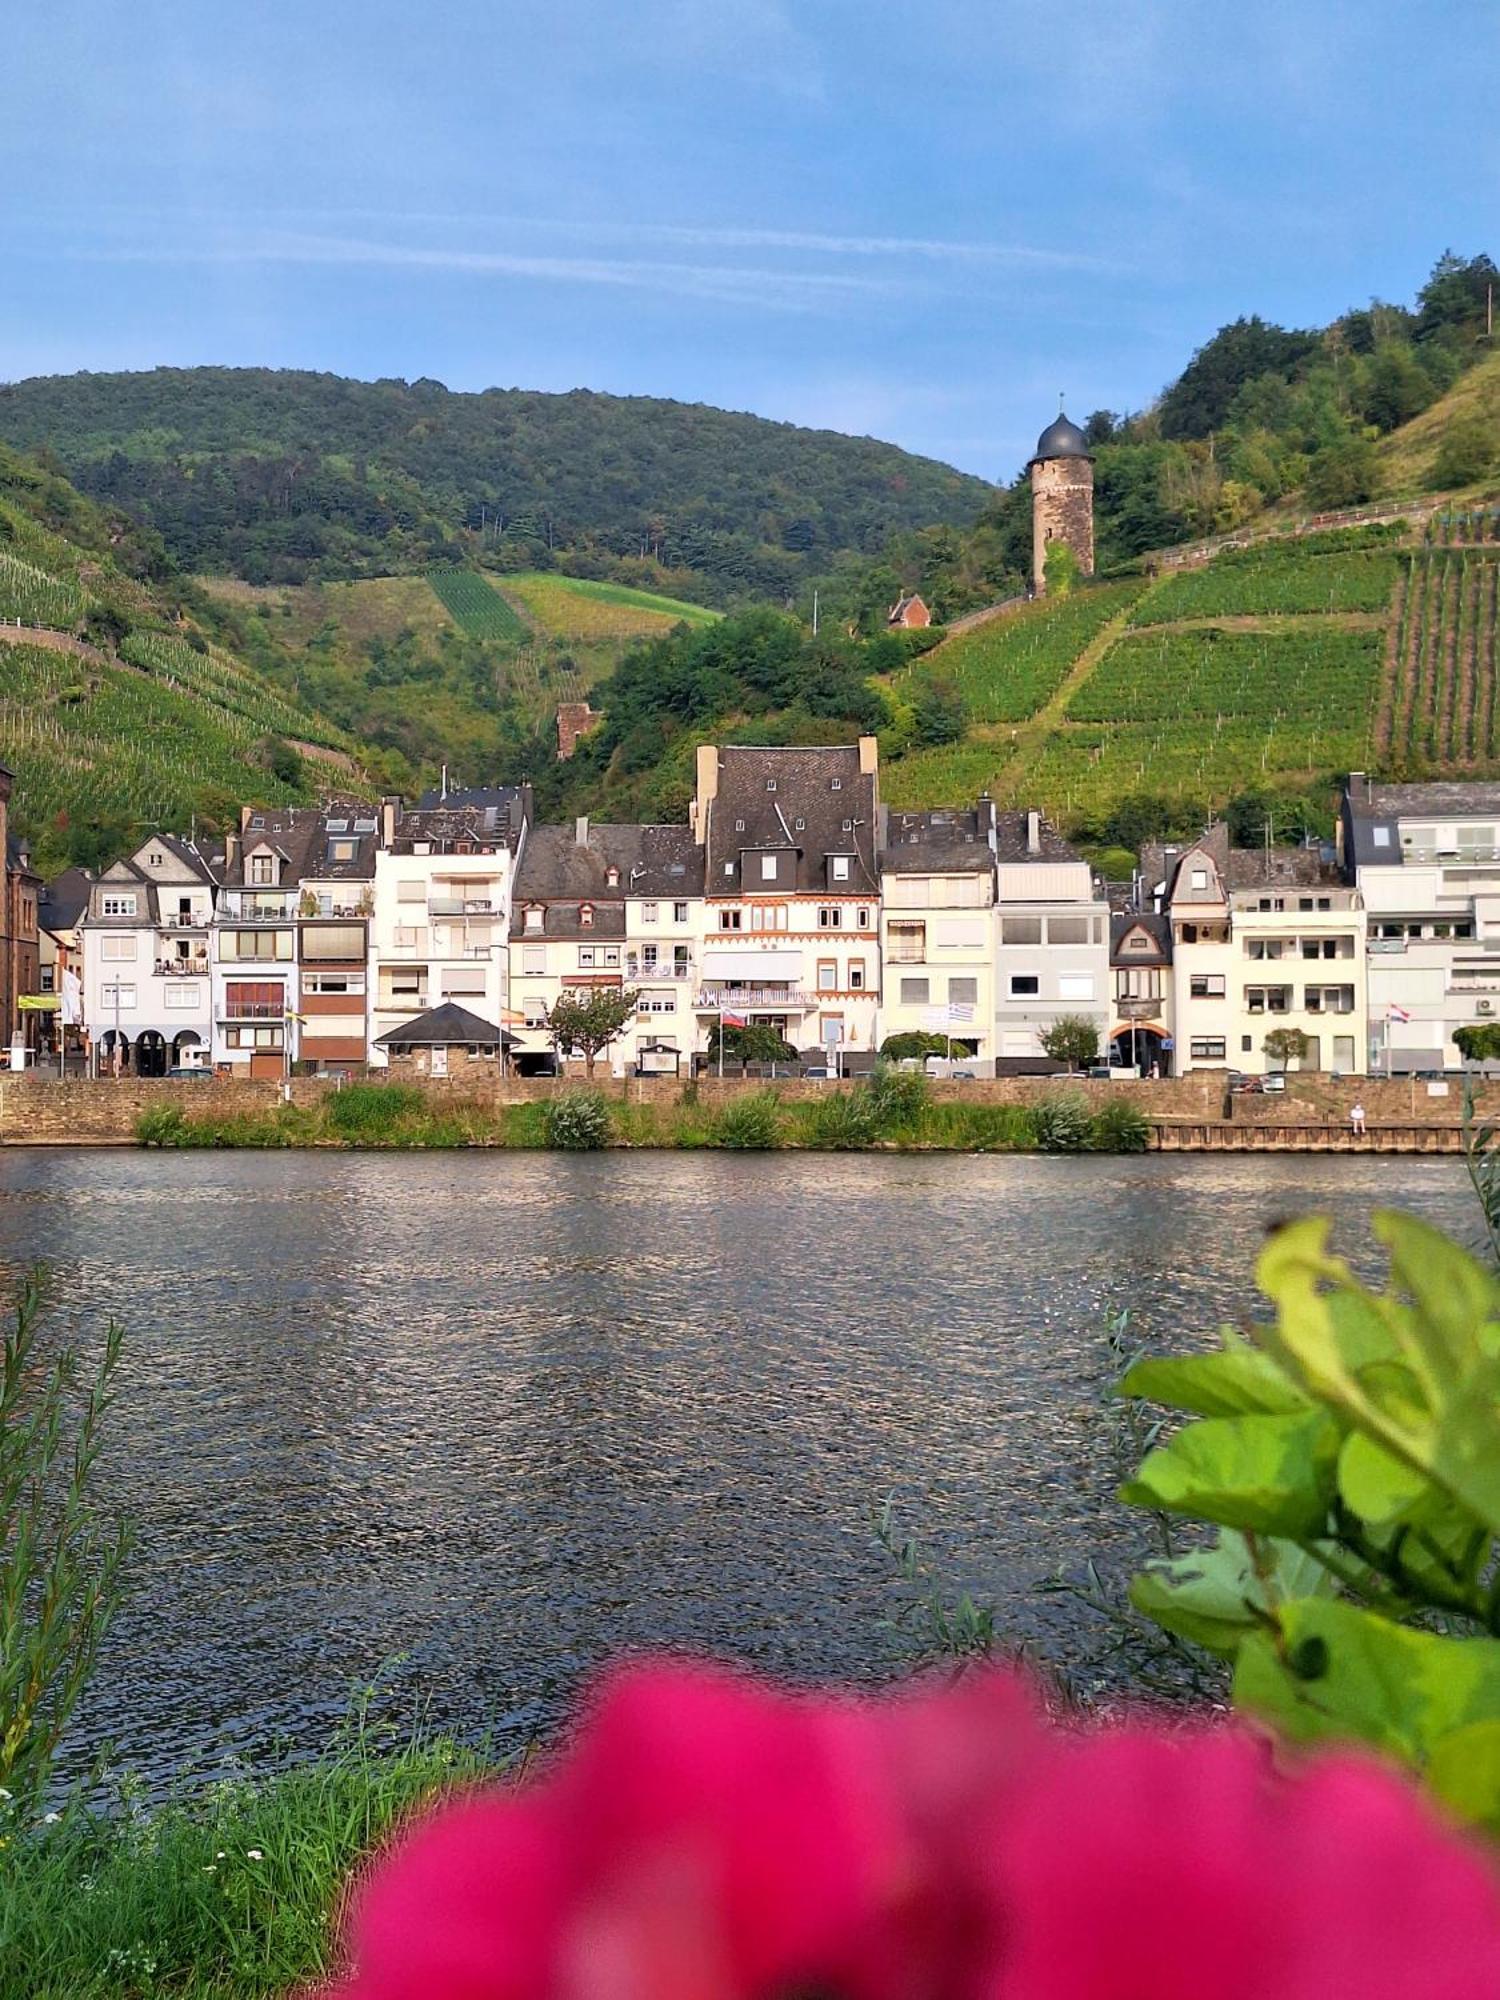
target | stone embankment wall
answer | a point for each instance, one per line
(1326, 1100)
(41, 1111)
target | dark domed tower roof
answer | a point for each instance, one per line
(1061, 439)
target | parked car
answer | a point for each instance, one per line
(1274, 1080)
(818, 1073)
(191, 1069)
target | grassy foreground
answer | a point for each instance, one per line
(898, 1114)
(232, 1892)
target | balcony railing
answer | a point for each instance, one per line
(182, 968)
(649, 972)
(253, 1010)
(731, 999)
(181, 923)
(460, 906)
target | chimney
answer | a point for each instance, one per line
(245, 812)
(706, 788)
(581, 830)
(389, 807)
(869, 756)
(1033, 833)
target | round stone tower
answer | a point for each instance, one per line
(1062, 497)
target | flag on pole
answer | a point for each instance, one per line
(732, 1020)
(1394, 1013)
(72, 999)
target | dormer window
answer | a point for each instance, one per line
(262, 870)
(770, 784)
(533, 917)
(838, 784)
(801, 826)
(1200, 878)
(739, 826)
(586, 915)
(612, 877)
(840, 867)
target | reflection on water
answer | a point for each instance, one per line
(511, 1414)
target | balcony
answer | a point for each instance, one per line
(181, 968)
(461, 906)
(733, 999)
(180, 923)
(253, 1010)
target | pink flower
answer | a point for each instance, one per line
(1140, 1866)
(704, 1838)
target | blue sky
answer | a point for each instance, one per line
(918, 220)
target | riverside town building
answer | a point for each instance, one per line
(437, 938)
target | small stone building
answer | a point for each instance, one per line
(909, 612)
(1062, 498)
(445, 1041)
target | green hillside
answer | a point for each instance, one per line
(119, 707)
(1273, 670)
(281, 476)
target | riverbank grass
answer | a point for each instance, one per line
(232, 1892)
(893, 1112)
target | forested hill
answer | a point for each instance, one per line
(278, 476)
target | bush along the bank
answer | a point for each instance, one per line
(578, 1121)
(750, 1124)
(1063, 1124)
(1119, 1126)
(1348, 1456)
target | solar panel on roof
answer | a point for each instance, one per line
(364, 826)
(337, 825)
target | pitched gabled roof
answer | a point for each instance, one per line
(64, 899)
(302, 836)
(445, 1027)
(1157, 928)
(761, 795)
(662, 862)
(940, 842)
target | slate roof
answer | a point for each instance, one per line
(1061, 439)
(662, 862)
(1158, 928)
(1011, 840)
(301, 834)
(484, 815)
(565, 920)
(942, 842)
(64, 899)
(1239, 867)
(823, 786)
(1442, 800)
(445, 1027)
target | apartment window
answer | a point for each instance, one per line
(585, 957)
(1020, 930)
(116, 998)
(1304, 902)
(828, 975)
(914, 992)
(1024, 985)
(536, 1014)
(862, 917)
(768, 916)
(119, 906)
(1067, 930)
(251, 998)
(1273, 903)
(333, 982)
(1343, 1053)
(841, 868)
(1247, 1043)
(1381, 836)
(255, 944)
(1207, 1048)
(1075, 986)
(830, 917)
(963, 992)
(463, 982)
(334, 941)
(408, 983)
(181, 996)
(730, 920)
(533, 917)
(856, 975)
(656, 1003)
(768, 867)
(342, 850)
(1200, 881)
(648, 957)
(679, 913)
(612, 955)
(533, 958)
(1263, 947)
(253, 1038)
(648, 913)
(907, 943)
(411, 892)
(116, 950)
(1206, 985)
(262, 870)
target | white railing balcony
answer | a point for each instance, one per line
(182, 968)
(731, 999)
(252, 1010)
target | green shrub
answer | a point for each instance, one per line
(1119, 1126)
(914, 1045)
(981, 1128)
(577, 1121)
(751, 1124)
(61, 1561)
(1348, 1456)
(898, 1097)
(1063, 1124)
(372, 1114)
(845, 1120)
(161, 1125)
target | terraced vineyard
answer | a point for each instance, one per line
(126, 745)
(578, 610)
(29, 596)
(216, 677)
(1439, 709)
(477, 607)
(1007, 669)
(1229, 589)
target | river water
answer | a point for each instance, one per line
(507, 1415)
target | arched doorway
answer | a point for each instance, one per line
(1142, 1045)
(187, 1049)
(114, 1053)
(151, 1053)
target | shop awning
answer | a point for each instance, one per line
(756, 968)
